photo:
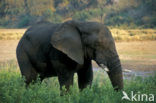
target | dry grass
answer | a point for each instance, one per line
(11, 34)
(134, 34)
(118, 34)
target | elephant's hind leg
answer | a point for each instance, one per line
(27, 70)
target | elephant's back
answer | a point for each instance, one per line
(40, 32)
(36, 40)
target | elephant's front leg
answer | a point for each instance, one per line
(85, 75)
(65, 79)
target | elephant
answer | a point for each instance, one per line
(48, 50)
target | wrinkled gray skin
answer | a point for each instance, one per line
(61, 50)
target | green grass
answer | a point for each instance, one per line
(12, 89)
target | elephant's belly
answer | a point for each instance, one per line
(63, 66)
(46, 69)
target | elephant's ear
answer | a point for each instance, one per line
(67, 39)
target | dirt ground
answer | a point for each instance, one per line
(8, 50)
(134, 55)
(138, 55)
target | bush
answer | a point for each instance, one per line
(12, 89)
(51, 16)
(82, 16)
(4, 21)
(24, 21)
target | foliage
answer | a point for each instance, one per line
(24, 21)
(82, 16)
(13, 89)
(118, 13)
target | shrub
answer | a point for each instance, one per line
(24, 21)
(82, 16)
(12, 89)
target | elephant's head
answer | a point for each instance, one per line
(91, 40)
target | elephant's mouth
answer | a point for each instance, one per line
(102, 64)
(104, 67)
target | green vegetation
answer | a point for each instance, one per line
(116, 13)
(12, 89)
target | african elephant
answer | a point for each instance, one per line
(48, 49)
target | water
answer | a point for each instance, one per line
(135, 73)
(129, 74)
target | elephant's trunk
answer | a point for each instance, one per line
(115, 73)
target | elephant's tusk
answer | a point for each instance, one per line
(104, 67)
(127, 70)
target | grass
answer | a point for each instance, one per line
(11, 34)
(12, 89)
(134, 34)
(118, 34)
